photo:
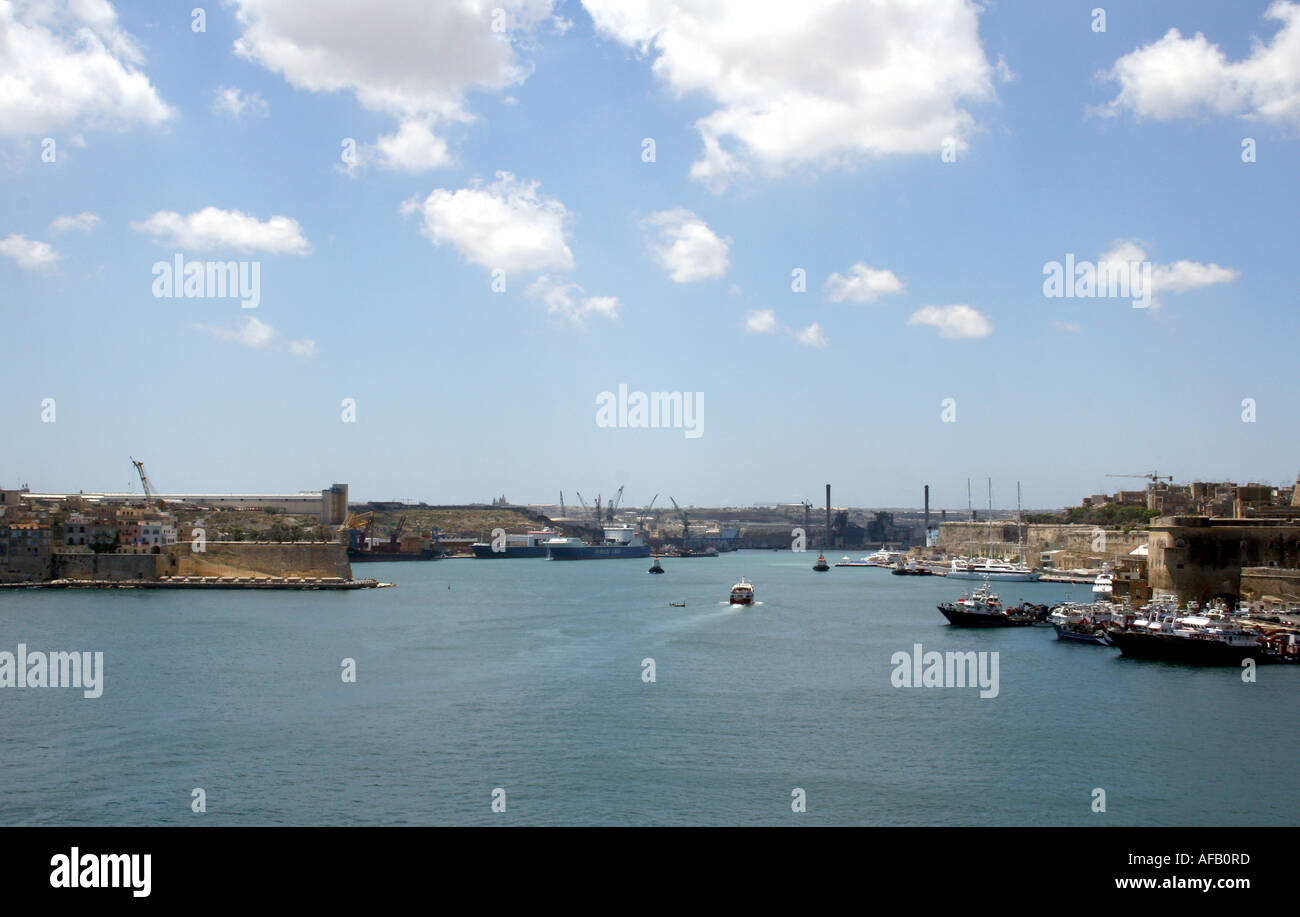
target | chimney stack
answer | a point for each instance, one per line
(926, 538)
(828, 515)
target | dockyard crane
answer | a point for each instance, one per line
(645, 514)
(561, 504)
(613, 506)
(686, 522)
(1152, 477)
(144, 482)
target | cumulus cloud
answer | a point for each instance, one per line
(232, 101)
(253, 333)
(29, 253)
(562, 300)
(82, 222)
(958, 321)
(413, 148)
(506, 225)
(1179, 77)
(760, 321)
(864, 284)
(68, 64)
(215, 228)
(687, 248)
(1125, 257)
(413, 59)
(816, 82)
(811, 336)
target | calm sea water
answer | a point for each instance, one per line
(527, 675)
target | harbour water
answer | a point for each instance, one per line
(528, 676)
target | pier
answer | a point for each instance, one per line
(206, 582)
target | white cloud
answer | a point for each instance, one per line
(255, 334)
(687, 248)
(958, 321)
(251, 332)
(82, 222)
(29, 253)
(506, 225)
(413, 59)
(1067, 327)
(815, 82)
(864, 284)
(413, 148)
(69, 65)
(1179, 77)
(1178, 277)
(811, 336)
(760, 321)
(561, 300)
(214, 228)
(232, 101)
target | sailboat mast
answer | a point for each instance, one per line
(970, 521)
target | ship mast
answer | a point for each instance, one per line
(1020, 544)
(990, 518)
(970, 521)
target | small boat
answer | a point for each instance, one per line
(677, 604)
(821, 565)
(655, 568)
(742, 593)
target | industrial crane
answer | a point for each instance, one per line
(686, 522)
(144, 482)
(613, 506)
(645, 514)
(1152, 477)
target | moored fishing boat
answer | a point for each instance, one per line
(1081, 623)
(983, 608)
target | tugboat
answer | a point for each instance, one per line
(821, 566)
(982, 608)
(742, 593)
(655, 568)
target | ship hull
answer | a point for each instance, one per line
(485, 552)
(361, 557)
(999, 577)
(597, 552)
(960, 618)
(1074, 636)
(1182, 649)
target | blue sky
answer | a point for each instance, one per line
(671, 275)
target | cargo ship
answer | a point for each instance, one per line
(532, 544)
(621, 540)
(375, 549)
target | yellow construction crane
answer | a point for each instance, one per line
(358, 521)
